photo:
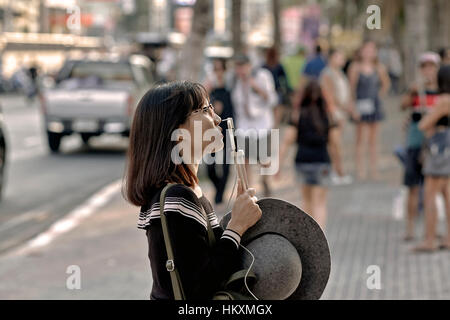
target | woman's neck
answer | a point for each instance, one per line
(334, 67)
(193, 167)
(196, 188)
(220, 81)
(368, 63)
(431, 86)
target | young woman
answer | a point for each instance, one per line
(312, 160)
(152, 164)
(418, 102)
(437, 179)
(369, 82)
(336, 90)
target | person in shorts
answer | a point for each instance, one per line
(369, 82)
(312, 161)
(336, 90)
(436, 165)
(418, 102)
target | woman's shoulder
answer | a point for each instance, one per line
(444, 99)
(443, 104)
(354, 66)
(179, 199)
(181, 190)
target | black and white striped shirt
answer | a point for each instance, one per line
(202, 269)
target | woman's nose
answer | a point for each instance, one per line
(217, 119)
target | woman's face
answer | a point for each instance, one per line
(369, 51)
(338, 59)
(218, 68)
(203, 134)
(429, 71)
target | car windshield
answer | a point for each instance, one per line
(105, 71)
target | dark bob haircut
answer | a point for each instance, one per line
(444, 79)
(159, 112)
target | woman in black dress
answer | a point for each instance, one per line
(164, 149)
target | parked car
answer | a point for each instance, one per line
(92, 97)
(2, 154)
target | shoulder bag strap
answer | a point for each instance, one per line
(170, 264)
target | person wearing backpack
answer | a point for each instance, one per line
(311, 133)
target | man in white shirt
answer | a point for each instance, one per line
(254, 97)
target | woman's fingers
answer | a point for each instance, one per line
(240, 189)
(251, 192)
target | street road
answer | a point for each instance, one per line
(42, 187)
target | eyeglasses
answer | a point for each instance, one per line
(204, 109)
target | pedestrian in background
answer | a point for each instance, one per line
(281, 85)
(33, 74)
(336, 91)
(445, 56)
(370, 83)
(418, 101)
(293, 65)
(436, 169)
(312, 70)
(390, 57)
(254, 98)
(312, 161)
(315, 65)
(221, 99)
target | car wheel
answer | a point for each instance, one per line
(54, 140)
(2, 166)
(85, 137)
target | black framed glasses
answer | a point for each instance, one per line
(205, 109)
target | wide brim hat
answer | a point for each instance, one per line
(284, 234)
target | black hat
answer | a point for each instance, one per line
(292, 257)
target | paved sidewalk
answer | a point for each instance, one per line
(108, 248)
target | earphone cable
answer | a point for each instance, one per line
(248, 271)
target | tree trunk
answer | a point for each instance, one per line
(236, 26)
(443, 21)
(192, 52)
(415, 35)
(276, 24)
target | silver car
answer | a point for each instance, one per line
(93, 97)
